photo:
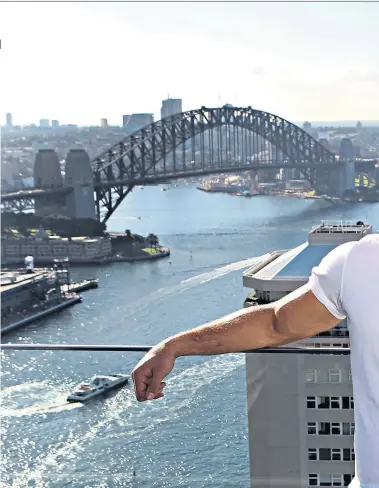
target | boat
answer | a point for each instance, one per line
(97, 386)
(81, 286)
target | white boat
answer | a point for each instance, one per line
(97, 386)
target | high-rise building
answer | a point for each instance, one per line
(171, 106)
(301, 407)
(55, 124)
(9, 121)
(103, 122)
(137, 121)
(125, 120)
(347, 151)
(44, 123)
(307, 126)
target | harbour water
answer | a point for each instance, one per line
(197, 435)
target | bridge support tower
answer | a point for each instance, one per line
(80, 203)
(47, 175)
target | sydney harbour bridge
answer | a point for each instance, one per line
(194, 143)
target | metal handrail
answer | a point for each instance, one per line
(141, 348)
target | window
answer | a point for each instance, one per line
(323, 402)
(325, 479)
(312, 428)
(324, 454)
(311, 402)
(313, 480)
(334, 376)
(335, 402)
(337, 479)
(336, 454)
(324, 428)
(348, 455)
(352, 428)
(346, 428)
(311, 376)
(336, 428)
(329, 479)
(12, 250)
(58, 249)
(347, 479)
(312, 454)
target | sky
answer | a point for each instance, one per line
(78, 62)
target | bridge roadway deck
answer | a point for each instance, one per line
(34, 193)
(160, 177)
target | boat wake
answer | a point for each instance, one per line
(222, 271)
(197, 280)
(137, 421)
(59, 460)
(34, 398)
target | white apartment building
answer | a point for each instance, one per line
(77, 249)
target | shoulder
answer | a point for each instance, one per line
(327, 278)
(334, 262)
(369, 244)
(362, 264)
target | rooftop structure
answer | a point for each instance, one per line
(284, 271)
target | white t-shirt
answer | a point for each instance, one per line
(347, 284)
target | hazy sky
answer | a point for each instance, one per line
(79, 62)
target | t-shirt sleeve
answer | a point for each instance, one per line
(326, 280)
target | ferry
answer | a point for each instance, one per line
(97, 386)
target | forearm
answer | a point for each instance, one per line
(249, 328)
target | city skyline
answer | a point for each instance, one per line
(314, 123)
(300, 61)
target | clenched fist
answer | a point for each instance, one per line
(149, 373)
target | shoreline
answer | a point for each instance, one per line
(297, 195)
(165, 252)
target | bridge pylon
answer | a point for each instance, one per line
(80, 203)
(47, 175)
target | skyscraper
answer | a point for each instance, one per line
(135, 122)
(125, 120)
(55, 124)
(347, 151)
(171, 106)
(307, 126)
(44, 123)
(9, 122)
(103, 122)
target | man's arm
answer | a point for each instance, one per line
(296, 316)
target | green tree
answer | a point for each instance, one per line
(152, 241)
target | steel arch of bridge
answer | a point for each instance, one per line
(141, 157)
